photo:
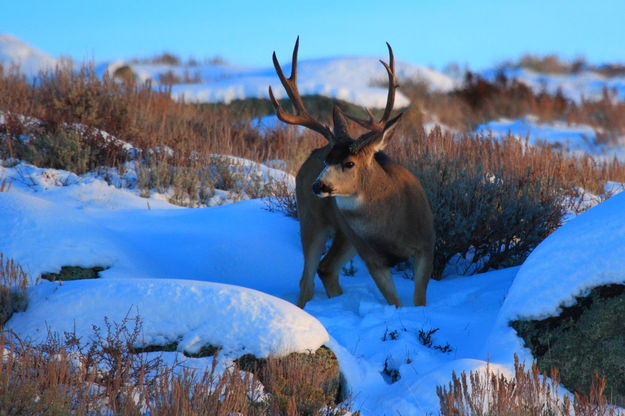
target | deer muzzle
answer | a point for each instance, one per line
(321, 189)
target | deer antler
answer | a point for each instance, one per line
(301, 116)
(371, 124)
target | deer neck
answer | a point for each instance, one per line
(349, 204)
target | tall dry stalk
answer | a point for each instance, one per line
(527, 393)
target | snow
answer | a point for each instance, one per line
(30, 61)
(576, 139)
(359, 80)
(575, 86)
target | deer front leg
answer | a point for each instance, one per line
(313, 243)
(340, 252)
(383, 279)
(422, 270)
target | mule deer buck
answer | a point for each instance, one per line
(350, 189)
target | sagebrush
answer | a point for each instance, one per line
(526, 393)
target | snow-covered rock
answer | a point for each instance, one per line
(193, 314)
(587, 251)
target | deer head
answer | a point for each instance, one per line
(350, 159)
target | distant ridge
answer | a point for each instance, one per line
(30, 60)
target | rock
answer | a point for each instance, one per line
(312, 379)
(585, 338)
(74, 273)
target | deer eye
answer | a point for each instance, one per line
(348, 165)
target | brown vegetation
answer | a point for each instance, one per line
(13, 284)
(479, 100)
(528, 393)
(65, 376)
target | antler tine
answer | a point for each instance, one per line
(371, 124)
(301, 116)
(392, 84)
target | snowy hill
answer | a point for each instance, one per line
(31, 61)
(357, 80)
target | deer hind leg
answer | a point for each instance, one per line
(313, 243)
(422, 270)
(340, 253)
(383, 279)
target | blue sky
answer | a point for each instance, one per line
(479, 33)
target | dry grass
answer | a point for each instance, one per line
(105, 376)
(528, 393)
(13, 284)
(5, 184)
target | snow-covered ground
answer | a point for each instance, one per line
(574, 139)
(195, 277)
(585, 85)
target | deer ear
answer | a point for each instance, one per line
(380, 140)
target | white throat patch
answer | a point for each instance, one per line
(348, 203)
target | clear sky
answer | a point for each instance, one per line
(479, 33)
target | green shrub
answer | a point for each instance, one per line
(72, 149)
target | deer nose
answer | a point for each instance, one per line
(319, 187)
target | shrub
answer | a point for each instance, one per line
(485, 218)
(71, 149)
(528, 393)
(13, 284)
(5, 185)
(281, 199)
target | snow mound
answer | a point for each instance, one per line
(53, 218)
(30, 61)
(194, 314)
(43, 235)
(359, 80)
(586, 252)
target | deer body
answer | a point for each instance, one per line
(370, 205)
